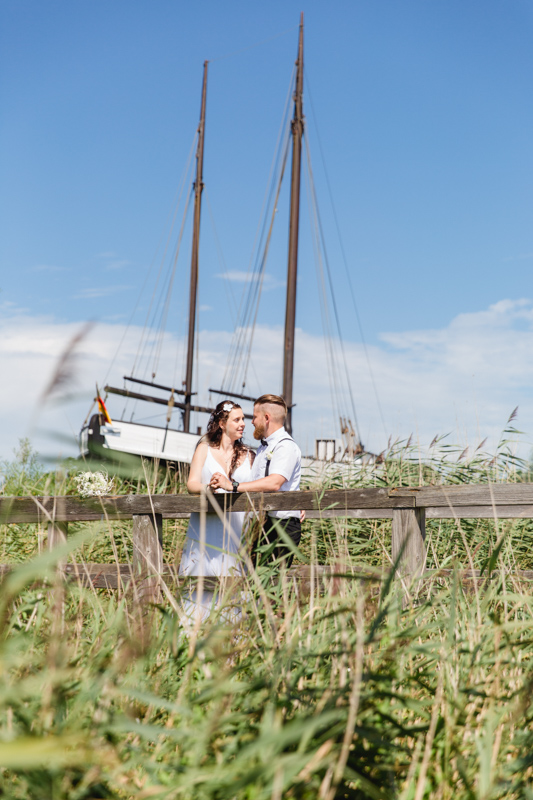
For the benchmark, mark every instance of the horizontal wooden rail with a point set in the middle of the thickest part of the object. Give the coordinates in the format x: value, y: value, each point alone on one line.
x: 441, y: 502
x: 407, y: 507
x: 114, y: 576
x: 505, y: 494
x: 111, y: 576
x: 70, y: 509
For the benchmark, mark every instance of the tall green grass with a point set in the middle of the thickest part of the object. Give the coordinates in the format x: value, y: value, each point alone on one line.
x: 468, y: 541
x: 342, y: 694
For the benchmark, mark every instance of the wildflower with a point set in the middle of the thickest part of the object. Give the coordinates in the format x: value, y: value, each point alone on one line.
x: 93, y: 484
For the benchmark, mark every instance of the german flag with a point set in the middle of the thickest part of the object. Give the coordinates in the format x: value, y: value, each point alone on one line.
x: 103, y: 410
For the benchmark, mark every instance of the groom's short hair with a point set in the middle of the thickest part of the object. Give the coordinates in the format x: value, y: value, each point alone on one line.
x: 274, y: 400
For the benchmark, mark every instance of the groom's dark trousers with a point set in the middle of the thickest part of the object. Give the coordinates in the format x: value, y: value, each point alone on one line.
x: 292, y: 527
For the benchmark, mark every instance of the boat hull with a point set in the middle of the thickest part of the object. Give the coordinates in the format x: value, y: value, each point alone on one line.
x: 149, y: 441
x: 136, y: 439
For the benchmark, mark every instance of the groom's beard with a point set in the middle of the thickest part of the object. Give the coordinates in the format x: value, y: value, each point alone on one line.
x: 259, y: 432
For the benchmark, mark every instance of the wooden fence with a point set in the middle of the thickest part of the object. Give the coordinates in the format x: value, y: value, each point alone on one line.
x: 408, y: 508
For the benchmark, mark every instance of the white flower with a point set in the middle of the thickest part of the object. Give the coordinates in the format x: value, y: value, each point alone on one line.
x: 227, y: 406
x: 93, y: 484
x: 269, y: 455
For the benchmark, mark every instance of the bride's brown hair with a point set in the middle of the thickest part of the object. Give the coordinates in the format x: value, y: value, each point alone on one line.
x: 213, y: 433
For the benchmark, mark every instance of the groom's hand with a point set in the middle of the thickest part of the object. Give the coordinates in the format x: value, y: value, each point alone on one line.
x: 220, y: 481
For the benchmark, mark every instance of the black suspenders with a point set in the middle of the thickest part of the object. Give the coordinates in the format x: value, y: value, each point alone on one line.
x: 285, y: 439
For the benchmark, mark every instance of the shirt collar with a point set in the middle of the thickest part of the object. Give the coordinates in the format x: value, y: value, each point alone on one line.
x: 274, y: 437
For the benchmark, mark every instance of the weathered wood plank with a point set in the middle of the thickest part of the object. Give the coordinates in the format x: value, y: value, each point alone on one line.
x: 147, y: 557
x: 468, y: 495
x: 480, y: 512
x: 57, y: 534
x: 432, y: 512
x: 470, y: 574
x: 408, y: 545
x: 113, y: 576
x: 369, y: 503
x: 37, y: 509
x: 352, y: 513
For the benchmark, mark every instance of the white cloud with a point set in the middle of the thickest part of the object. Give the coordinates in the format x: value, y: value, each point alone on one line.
x: 47, y: 268
x: 93, y: 293
x: 519, y: 257
x: 464, y: 379
x: 114, y: 261
x: 238, y: 277
x: 235, y: 276
x: 118, y: 263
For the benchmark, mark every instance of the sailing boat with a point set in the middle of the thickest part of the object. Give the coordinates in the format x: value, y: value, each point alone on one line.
x: 102, y: 434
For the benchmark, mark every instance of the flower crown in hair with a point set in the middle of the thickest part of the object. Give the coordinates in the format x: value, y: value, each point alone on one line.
x: 227, y: 407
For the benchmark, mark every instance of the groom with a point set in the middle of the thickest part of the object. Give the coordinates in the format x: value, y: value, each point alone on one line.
x: 276, y: 468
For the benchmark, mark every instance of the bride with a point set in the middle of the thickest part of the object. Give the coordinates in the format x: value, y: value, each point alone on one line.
x: 214, y: 551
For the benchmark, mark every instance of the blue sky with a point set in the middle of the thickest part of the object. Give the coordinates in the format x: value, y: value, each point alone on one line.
x: 423, y: 113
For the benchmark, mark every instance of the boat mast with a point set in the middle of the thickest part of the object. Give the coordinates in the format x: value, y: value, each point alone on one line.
x: 297, y: 127
x: 198, y: 188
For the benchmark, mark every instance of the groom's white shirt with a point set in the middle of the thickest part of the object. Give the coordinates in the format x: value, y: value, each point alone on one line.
x: 285, y: 459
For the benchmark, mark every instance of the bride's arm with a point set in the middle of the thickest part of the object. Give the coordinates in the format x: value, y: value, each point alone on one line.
x: 194, y: 484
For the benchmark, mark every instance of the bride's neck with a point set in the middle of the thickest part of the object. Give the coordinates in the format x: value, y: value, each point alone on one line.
x: 225, y: 443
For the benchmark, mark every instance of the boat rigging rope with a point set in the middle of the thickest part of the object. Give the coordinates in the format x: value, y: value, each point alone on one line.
x: 185, y: 179
x: 232, y: 303
x: 324, y: 313
x: 320, y: 232
x: 345, y: 260
x: 166, y: 283
x: 240, y: 352
x: 259, y: 283
x: 179, y: 192
x: 252, y: 290
x: 238, y: 361
x: 156, y: 349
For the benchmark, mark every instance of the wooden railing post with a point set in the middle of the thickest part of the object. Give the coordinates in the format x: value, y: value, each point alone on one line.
x: 57, y: 531
x: 408, y: 541
x: 147, y: 557
x: 57, y: 534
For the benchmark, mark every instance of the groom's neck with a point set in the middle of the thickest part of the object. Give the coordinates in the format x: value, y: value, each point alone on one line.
x: 272, y: 428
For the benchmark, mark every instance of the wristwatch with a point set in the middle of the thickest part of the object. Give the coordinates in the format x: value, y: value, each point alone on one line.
x: 235, y: 485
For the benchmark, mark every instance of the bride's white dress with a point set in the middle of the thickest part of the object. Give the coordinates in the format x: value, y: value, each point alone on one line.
x: 215, y: 551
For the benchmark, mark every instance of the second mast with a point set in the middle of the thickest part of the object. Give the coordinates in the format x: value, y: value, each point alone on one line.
x: 193, y: 292
x: 297, y: 126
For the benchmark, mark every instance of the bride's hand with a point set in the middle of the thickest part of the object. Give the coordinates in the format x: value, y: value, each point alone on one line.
x: 219, y: 481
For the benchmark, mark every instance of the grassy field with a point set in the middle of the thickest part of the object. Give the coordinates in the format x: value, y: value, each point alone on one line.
x: 344, y: 695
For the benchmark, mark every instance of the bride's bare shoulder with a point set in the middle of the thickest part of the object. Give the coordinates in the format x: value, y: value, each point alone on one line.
x: 201, y: 450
